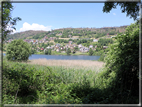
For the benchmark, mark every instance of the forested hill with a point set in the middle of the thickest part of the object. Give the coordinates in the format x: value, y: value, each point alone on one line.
x: 67, y: 32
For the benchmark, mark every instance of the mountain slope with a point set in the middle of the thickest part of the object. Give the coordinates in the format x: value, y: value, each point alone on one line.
x: 83, y: 32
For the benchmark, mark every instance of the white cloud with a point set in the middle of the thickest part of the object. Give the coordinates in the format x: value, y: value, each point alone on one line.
x: 34, y: 26
x: 114, y: 14
x: 14, y: 31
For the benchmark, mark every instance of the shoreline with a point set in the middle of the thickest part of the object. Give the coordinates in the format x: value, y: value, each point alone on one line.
x: 65, y: 55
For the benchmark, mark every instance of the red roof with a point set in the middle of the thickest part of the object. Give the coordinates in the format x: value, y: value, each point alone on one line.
x: 42, y: 48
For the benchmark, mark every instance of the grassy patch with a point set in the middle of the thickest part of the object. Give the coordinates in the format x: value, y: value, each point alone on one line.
x: 40, y: 53
x: 24, y: 83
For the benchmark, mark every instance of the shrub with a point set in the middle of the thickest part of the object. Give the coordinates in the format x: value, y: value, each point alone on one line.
x: 23, y: 80
x: 91, y: 52
x: 68, y: 51
x: 123, y: 61
x: 18, y: 50
x: 47, y: 52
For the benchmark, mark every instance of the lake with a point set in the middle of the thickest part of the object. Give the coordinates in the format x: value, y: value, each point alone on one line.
x: 63, y: 57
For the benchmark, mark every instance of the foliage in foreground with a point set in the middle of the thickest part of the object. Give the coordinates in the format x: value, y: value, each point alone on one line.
x: 35, y: 84
x: 122, y: 65
x: 8, y: 22
x: 18, y: 50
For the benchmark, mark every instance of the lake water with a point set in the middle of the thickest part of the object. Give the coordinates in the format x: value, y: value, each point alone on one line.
x: 63, y: 57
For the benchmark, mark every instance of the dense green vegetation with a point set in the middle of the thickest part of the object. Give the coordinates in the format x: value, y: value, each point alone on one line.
x: 122, y: 61
x: 47, y: 52
x: 68, y: 51
x: 84, y: 41
x: 105, y: 42
x: 18, y: 50
x: 61, y: 41
x: 90, y: 52
x: 32, y: 84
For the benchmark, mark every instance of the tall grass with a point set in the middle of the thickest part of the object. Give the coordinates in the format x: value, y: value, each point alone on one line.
x: 85, y: 64
x: 41, y: 84
x: 75, y: 75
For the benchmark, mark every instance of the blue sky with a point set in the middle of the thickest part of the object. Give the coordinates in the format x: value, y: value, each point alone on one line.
x: 48, y: 16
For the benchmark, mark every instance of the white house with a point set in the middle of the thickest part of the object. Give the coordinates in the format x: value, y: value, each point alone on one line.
x: 91, y: 46
x: 113, y: 36
x: 79, y: 46
x: 95, y: 40
x: 48, y: 47
x: 104, y: 47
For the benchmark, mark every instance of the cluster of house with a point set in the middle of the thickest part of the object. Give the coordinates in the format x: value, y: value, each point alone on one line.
x: 58, y: 47
x: 81, y: 48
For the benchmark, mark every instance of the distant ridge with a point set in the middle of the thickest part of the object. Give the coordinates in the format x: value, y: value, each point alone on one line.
x: 32, y: 34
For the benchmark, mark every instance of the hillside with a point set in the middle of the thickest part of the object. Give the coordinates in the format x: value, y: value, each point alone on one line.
x: 27, y: 34
x: 65, y: 32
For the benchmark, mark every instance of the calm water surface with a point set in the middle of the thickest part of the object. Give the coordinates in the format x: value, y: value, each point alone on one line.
x: 63, y: 57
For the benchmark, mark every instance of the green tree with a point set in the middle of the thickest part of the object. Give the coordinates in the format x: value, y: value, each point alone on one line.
x: 33, y: 51
x: 18, y: 50
x: 76, y: 48
x: 131, y: 8
x: 47, y: 52
x: 102, y: 57
x: 42, y: 45
x: 68, y: 51
x: 45, y: 45
x: 51, y: 43
x: 74, y: 51
x: 91, y: 52
x: 7, y: 20
x: 122, y: 61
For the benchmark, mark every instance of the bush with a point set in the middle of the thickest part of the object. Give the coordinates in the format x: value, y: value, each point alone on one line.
x: 68, y: 51
x: 102, y: 57
x: 24, y: 80
x: 91, y: 52
x: 18, y: 50
x: 123, y: 60
x: 47, y: 52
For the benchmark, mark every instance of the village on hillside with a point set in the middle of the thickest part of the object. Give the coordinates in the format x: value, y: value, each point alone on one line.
x: 78, y: 41
x: 58, y: 47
